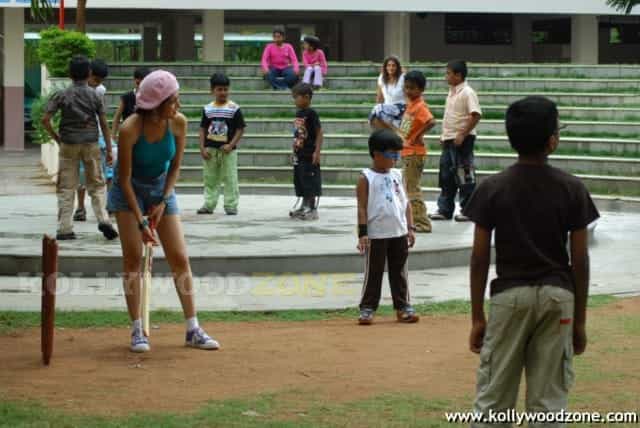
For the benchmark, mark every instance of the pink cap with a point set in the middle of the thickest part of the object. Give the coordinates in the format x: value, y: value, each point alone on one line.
x: 156, y: 88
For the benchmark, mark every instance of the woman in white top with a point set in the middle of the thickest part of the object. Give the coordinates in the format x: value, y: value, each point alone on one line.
x: 390, y: 96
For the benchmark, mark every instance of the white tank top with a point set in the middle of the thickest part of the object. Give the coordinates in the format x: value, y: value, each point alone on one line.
x: 387, y: 207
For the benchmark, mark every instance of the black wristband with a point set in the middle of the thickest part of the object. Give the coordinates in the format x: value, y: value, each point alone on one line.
x: 362, y: 230
x: 144, y: 223
x: 413, y: 228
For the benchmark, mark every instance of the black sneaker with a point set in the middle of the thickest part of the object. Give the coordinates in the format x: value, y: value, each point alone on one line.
x: 66, y: 236
x: 205, y: 210
x: 80, y: 215
x: 231, y: 211
x: 438, y: 216
x: 108, y: 231
x: 461, y: 218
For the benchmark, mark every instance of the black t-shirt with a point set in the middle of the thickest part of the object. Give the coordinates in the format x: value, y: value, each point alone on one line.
x: 129, y: 103
x: 305, y: 130
x: 532, y: 209
x: 221, y: 123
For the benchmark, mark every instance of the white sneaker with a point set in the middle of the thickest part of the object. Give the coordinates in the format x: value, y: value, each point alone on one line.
x: 139, y: 342
x: 197, y: 338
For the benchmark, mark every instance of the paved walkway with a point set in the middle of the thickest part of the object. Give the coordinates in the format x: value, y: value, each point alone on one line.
x: 262, y: 228
x: 615, y: 270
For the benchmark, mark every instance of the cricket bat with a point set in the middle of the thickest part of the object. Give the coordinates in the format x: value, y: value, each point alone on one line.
x: 146, y: 284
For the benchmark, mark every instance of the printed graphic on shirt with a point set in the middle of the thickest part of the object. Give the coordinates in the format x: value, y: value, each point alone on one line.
x: 388, y: 187
x: 406, y: 124
x: 218, y: 131
x: 300, y: 133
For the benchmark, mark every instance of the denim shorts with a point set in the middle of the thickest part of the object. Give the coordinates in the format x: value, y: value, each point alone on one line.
x: 148, y: 193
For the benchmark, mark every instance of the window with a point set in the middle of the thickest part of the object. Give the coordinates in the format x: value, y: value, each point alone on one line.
x: 552, y: 31
x: 623, y: 33
x: 479, y: 29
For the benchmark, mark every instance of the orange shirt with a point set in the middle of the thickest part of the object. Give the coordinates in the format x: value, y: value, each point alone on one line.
x: 416, y: 116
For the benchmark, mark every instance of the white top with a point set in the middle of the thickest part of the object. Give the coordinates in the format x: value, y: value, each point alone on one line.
x: 101, y: 90
x: 393, y: 93
x: 387, y: 207
x: 461, y: 102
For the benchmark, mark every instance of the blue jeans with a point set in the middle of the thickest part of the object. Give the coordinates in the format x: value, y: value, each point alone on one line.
x: 457, y: 173
x: 282, y: 79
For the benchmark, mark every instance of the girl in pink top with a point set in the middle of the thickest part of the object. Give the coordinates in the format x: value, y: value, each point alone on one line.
x: 314, y: 61
x: 280, y: 63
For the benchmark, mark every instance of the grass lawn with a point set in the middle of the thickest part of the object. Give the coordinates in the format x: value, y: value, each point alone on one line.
x: 602, y: 384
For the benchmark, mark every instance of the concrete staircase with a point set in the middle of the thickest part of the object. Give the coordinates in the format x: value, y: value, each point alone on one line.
x: 600, y: 105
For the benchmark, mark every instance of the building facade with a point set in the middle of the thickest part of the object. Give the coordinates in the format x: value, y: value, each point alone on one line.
x: 578, y: 31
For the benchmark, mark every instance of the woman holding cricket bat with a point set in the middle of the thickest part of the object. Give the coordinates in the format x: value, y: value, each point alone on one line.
x: 150, y: 150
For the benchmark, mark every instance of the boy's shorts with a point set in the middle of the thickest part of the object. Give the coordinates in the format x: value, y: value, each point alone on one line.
x: 307, y: 179
x: 148, y: 191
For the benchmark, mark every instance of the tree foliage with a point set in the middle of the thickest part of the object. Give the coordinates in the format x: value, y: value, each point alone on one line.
x: 57, y: 47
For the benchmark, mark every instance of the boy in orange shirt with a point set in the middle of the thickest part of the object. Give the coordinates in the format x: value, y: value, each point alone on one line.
x: 416, y: 121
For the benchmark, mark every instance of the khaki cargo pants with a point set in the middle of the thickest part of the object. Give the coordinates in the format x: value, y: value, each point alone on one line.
x: 68, y: 179
x: 529, y: 328
x: 412, y: 167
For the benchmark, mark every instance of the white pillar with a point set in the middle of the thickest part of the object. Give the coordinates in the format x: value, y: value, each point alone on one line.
x: 397, y: 35
x: 584, y: 39
x: 213, y: 35
x: 13, y: 79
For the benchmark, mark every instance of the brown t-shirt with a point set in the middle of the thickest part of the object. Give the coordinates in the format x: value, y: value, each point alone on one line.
x: 79, y: 105
x: 532, y: 209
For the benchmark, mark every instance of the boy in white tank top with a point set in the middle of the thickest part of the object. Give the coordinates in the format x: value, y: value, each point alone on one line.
x: 385, y: 228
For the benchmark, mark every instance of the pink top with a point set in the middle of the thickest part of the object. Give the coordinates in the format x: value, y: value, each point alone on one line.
x: 311, y: 58
x: 279, y: 57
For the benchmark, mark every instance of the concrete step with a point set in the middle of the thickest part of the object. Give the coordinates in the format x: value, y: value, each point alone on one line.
x: 599, y: 99
x: 629, y: 186
x: 603, y: 202
x: 370, y: 68
x: 369, y: 82
x: 578, y: 145
x: 492, y: 126
x: 363, y: 110
x: 361, y: 159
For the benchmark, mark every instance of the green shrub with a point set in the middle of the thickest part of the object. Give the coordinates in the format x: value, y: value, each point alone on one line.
x: 57, y: 47
x: 40, y: 135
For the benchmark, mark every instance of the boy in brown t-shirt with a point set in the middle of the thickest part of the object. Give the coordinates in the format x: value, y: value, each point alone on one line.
x: 538, y: 300
x: 416, y: 121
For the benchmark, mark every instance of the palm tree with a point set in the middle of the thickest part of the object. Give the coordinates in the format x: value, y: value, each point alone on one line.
x: 623, y: 5
x: 42, y: 10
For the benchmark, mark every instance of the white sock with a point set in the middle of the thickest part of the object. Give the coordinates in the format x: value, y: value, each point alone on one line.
x: 137, y: 324
x: 192, y: 323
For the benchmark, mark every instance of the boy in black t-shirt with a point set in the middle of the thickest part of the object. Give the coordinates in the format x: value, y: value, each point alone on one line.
x: 307, y: 142
x: 128, y: 101
x: 538, y: 301
x: 221, y: 128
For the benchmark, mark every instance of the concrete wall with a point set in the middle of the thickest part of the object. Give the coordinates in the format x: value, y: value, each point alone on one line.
x: 362, y: 38
x: 619, y: 54
x: 428, y: 43
x: 13, y: 78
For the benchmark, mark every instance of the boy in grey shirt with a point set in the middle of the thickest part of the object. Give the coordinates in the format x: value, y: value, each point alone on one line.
x: 78, y: 139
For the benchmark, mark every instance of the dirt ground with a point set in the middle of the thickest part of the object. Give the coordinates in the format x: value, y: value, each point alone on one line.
x: 92, y: 370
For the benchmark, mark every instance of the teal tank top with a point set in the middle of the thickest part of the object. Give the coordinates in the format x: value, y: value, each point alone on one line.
x: 151, y: 160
